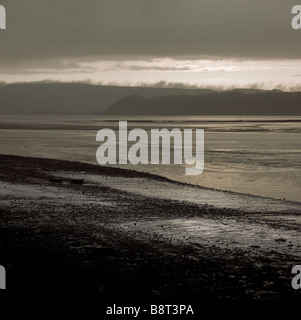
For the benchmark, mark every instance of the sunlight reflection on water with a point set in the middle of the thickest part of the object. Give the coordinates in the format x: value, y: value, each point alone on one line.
x: 248, y: 161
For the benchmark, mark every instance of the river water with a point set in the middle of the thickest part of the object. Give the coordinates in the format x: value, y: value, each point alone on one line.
x: 253, y: 155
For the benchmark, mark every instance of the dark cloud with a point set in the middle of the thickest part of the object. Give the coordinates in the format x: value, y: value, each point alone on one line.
x: 44, y: 30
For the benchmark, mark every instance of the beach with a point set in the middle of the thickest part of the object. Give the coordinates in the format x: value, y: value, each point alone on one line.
x: 72, y: 230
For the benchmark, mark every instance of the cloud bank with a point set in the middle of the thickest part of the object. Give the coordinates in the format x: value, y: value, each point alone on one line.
x: 65, y: 29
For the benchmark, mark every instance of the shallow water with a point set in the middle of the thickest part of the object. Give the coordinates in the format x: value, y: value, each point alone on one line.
x: 258, y: 156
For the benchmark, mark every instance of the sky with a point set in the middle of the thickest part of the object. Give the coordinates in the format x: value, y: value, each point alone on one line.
x: 164, y: 43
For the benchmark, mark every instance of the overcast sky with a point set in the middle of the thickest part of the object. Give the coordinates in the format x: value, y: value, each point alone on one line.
x: 197, y: 42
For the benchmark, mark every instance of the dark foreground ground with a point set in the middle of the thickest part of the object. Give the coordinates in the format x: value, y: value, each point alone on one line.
x: 65, y: 239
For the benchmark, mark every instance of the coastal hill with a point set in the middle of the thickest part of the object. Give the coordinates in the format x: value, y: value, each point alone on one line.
x: 73, y: 98
x: 233, y: 102
x: 85, y: 99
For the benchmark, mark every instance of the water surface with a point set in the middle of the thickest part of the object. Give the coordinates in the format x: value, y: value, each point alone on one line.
x: 254, y: 155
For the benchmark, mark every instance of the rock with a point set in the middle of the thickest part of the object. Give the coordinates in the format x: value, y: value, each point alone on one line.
x: 77, y: 181
x: 56, y: 180
x: 280, y: 240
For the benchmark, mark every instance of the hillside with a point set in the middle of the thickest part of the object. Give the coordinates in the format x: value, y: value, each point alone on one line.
x: 218, y: 103
x: 72, y: 98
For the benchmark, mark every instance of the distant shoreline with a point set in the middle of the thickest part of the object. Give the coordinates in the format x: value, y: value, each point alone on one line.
x: 132, y: 121
x: 144, y: 120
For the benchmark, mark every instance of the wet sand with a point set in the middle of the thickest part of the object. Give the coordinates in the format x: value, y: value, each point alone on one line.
x: 78, y: 231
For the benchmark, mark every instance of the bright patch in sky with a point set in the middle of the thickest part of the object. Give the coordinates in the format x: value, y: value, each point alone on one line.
x: 217, y: 73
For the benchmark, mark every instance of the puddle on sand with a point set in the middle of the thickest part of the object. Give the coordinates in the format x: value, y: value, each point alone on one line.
x: 172, y: 191
x: 221, y: 233
x: 47, y: 194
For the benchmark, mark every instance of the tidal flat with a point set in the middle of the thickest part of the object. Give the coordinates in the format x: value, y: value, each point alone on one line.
x: 71, y: 230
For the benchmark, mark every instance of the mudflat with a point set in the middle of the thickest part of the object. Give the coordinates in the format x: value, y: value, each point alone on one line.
x: 71, y: 230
